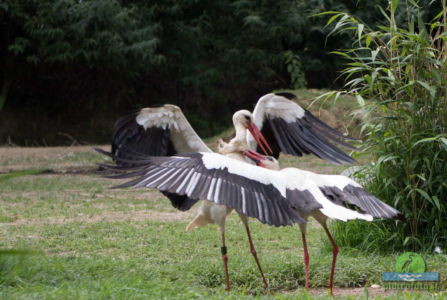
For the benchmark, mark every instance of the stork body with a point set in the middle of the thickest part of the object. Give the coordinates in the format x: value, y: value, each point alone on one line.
x: 210, y: 212
x: 179, y: 136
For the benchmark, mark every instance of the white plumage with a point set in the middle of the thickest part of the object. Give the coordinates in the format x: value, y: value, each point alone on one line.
x: 276, y: 106
x: 170, y: 117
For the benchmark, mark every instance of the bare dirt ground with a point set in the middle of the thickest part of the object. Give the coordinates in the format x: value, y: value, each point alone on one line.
x: 52, y: 158
x: 44, y: 152
x: 107, y: 217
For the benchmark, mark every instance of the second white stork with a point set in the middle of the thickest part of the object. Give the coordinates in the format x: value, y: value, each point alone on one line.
x: 276, y: 198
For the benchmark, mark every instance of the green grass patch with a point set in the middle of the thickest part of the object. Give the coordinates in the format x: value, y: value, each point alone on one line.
x: 13, y: 174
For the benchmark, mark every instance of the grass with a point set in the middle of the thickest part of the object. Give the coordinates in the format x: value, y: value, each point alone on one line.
x: 9, y: 175
x: 82, y: 250
x: 66, y: 235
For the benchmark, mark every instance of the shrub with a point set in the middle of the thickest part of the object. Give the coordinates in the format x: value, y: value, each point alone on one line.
x: 402, y: 72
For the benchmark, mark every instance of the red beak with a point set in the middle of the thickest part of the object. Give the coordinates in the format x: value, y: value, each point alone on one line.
x: 259, y: 138
x: 255, y: 156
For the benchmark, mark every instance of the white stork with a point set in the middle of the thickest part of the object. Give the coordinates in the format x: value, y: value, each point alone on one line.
x: 181, y: 136
x: 274, y: 197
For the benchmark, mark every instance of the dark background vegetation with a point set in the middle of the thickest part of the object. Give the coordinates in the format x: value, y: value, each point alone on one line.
x: 70, y: 68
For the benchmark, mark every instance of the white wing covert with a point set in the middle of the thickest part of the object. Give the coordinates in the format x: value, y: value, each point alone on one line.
x: 344, y: 191
x: 155, y: 131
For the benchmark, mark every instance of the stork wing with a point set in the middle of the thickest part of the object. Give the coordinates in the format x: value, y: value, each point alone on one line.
x: 155, y: 131
x: 302, y: 183
x: 342, y: 190
x: 250, y: 190
x: 345, y: 192
x: 291, y: 129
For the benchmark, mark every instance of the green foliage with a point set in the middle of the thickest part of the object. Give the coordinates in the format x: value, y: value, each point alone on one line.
x: 401, y: 70
x: 69, y: 61
x: 99, y: 33
x: 295, y: 70
x: 12, y: 174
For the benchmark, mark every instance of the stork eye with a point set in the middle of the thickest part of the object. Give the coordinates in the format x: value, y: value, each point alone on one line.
x: 247, y: 118
x: 270, y: 158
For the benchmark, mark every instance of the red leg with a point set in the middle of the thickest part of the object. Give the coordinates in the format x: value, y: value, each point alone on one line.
x: 253, y: 252
x: 223, y: 249
x: 334, y: 259
x: 306, y: 258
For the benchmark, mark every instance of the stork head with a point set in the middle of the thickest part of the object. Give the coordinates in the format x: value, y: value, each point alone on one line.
x: 268, y: 162
x: 243, y: 119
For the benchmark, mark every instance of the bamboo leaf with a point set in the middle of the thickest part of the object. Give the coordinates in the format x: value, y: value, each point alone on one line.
x: 368, y: 40
x: 426, y: 140
x: 332, y: 19
x: 330, y: 12
x: 360, y: 100
x: 430, y: 89
x: 341, y: 53
x: 360, y: 28
x: 394, y: 4
x: 424, y: 194
x: 406, y: 240
x: 438, y: 16
x: 385, y: 15
x: 436, y: 202
x: 374, y: 54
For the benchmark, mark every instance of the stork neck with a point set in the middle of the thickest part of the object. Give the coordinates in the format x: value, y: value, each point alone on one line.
x: 241, y: 133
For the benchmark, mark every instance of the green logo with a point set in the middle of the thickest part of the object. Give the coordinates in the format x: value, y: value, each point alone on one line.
x: 410, y: 262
